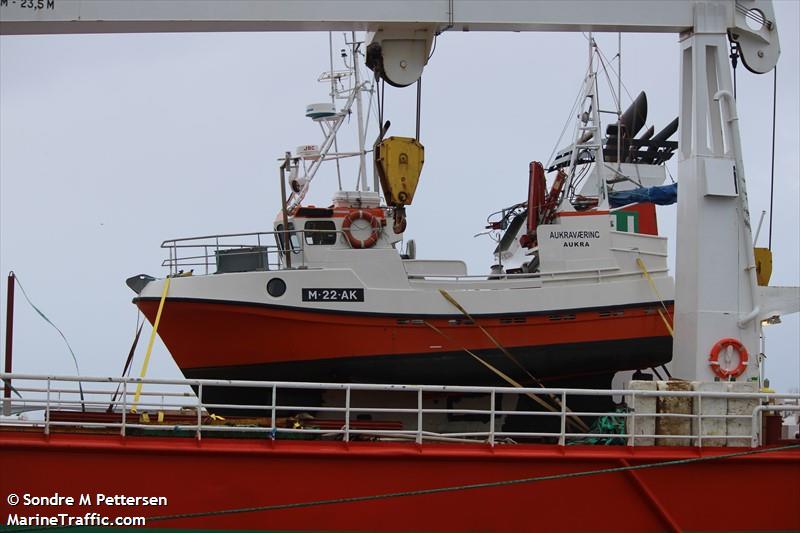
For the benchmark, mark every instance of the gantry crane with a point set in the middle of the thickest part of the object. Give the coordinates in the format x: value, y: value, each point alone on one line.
x: 717, y: 295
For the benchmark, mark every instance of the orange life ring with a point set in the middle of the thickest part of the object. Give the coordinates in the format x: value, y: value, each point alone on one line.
x: 370, y: 241
x: 714, y: 363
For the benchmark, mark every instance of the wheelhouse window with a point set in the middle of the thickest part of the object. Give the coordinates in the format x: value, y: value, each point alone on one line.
x: 280, y: 237
x: 320, y: 232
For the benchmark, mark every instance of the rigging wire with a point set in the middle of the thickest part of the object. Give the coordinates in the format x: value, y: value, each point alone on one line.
x: 139, y: 325
x: 419, y: 103
x: 616, y: 97
x: 126, y: 370
x: 433, y: 48
x: 755, y: 15
x: 772, y: 172
x: 619, y: 92
x: 372, y: 109
x: 368, y: 114
x: 569, y: 121
x: 669, y: 174
x: 614, y: 71
x: 381, y: 101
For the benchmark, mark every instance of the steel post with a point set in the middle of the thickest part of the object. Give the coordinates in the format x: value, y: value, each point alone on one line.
x: 285, y: 244
x: 9, y: 342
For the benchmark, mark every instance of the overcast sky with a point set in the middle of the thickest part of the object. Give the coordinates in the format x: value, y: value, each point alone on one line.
x: 110, y: 144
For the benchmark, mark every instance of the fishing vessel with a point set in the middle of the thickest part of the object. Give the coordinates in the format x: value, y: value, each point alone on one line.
x: 579, y: 290
x: 488, y: 437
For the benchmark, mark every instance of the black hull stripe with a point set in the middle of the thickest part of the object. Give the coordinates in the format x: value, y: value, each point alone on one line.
x: 590, y: 365
x: 458, y: 368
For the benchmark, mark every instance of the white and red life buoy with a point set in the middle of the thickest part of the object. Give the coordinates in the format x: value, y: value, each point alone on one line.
x: 713, y: 359
x: 374, y: 223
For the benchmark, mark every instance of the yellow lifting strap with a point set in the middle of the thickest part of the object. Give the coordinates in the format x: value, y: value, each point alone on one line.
x: 497, y: 371
x: 663, y: 314
x: 573, y: 418
x: 146, y: 363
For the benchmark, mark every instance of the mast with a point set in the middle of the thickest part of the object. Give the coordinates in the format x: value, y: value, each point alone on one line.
x: 619, y: 101
x: 333, y: 101
x: 587, y: 136
x: 599, y: 157
x: 362, y: 168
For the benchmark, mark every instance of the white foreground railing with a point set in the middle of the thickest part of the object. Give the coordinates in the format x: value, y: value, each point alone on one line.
x: 411, y: 412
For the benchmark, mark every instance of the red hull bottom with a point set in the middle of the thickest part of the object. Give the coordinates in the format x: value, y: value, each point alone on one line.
x: 222, y: 340
x: 758, y: 492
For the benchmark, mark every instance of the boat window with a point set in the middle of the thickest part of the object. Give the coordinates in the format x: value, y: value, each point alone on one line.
x: 320, y: 232
x: 294, y: 241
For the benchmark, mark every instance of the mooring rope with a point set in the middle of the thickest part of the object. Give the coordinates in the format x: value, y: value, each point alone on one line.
x: 72, y: 353
x: 449, y: 489
x: 472, y: 486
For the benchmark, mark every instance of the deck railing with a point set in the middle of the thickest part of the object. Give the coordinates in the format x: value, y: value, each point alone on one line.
x: 203, y: 253
x: 357, y: 411
x: 584, y: 274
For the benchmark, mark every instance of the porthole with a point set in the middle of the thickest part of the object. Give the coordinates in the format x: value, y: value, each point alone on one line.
x: 276, y: 287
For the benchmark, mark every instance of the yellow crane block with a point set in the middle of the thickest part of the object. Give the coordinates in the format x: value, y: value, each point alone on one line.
x: 763, y: 258
x: 399, y: 161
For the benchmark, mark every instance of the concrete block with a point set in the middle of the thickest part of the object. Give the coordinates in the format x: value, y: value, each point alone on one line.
x: 666, y: 425
x: 708, y: 426
x: 644, y: 425
x: 741, y: 427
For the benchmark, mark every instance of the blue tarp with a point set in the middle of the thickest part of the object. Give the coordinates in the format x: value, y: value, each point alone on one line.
x: 663, y: 195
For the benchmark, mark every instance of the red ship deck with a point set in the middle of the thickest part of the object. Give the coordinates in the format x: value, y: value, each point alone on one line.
x: 216, y: 480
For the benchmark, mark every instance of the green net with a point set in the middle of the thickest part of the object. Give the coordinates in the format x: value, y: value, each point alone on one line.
x: 608, y: 425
